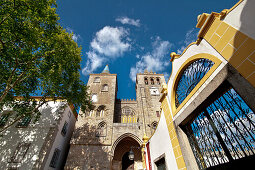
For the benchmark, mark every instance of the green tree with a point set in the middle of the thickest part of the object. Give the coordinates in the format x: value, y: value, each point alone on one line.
x: 37, y: 56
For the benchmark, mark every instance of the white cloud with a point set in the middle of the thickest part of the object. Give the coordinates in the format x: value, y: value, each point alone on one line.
x: 75, y: 37
x: 155, y: 61
x: 191, y: 36
x: 108, y: 43
x: 129, y: 21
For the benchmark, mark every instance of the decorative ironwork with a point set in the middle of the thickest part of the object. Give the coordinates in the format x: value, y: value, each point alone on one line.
x: 223, y: 131
x: 190, y: 77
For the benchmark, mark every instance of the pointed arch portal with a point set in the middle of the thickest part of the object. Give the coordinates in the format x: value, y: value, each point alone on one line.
x: 121, y: 149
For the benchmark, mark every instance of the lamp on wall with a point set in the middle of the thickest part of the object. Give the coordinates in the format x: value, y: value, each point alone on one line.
x: 131, y: 154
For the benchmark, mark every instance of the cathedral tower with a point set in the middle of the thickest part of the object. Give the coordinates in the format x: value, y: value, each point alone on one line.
x: 104, y: 136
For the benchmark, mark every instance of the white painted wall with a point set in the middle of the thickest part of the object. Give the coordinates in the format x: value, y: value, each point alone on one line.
x: 35, y: 134
x: 203, y: 47
x: 160, y: 144
x: 242, y: 18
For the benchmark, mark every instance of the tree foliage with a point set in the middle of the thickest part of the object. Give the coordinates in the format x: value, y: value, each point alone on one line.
x: 37, y: 56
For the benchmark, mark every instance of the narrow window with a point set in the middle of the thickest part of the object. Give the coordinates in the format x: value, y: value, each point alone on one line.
x: 54, y: 159
x: 152, y: 81
x: 157, y: 113
x: 24, y: 122
x: 101, y: 130
x: 3, y: 120
x: 97, y: 80
x: 64, y: 129
x: 19, y: 152
x: 158, y: 80
x: 146, y: 80
x: 105, y: 88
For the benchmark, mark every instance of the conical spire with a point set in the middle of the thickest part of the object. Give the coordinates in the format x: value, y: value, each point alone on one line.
x: 106, y: 69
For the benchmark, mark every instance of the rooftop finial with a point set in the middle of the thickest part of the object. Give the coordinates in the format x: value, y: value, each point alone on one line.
x: 106, y: 69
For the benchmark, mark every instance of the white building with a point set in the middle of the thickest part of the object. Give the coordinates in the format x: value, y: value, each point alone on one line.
x: 207, y: 117
x: 40, y: 145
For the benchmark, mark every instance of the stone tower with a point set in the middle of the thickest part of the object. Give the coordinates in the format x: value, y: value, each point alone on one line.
x: 104, y: 136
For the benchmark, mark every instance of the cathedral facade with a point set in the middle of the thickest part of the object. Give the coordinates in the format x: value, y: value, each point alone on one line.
x: 103, y: 137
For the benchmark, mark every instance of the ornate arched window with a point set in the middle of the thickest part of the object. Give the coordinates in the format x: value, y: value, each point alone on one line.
x: 190, y: 77
x: 100, y: 111
x: 105, y: 88
x: 101, y: 129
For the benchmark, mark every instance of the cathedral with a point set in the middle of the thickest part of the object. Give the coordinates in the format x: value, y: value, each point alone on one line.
x: 104, y: 137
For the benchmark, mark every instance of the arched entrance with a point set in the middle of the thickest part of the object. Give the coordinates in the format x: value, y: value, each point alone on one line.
x: 121, y: 160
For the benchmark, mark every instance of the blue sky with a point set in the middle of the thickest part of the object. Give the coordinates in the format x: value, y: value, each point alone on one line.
x: 133, y: 35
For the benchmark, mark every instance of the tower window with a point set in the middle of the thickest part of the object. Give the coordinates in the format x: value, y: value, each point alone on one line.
x: 105, y: 88
x: 100, y: 111
x: 101, y: 129
x: 158, y: 80
x: 146, y: 80
x: 154, y: 125
x: 97, y: 80
x: 157, y: 113
x: 152, y: 81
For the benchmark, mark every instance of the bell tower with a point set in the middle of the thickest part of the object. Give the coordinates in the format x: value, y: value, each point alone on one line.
x: 92, y: 136
x: 147, y: 95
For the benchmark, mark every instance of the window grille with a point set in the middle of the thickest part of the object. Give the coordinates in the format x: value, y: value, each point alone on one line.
x: 4, y: 119
x: 19, y: 153
x: 190, y: 77
x: 55, y: 157
x: 24, y: 122
x: 64, y: 129
x: 223, y: 131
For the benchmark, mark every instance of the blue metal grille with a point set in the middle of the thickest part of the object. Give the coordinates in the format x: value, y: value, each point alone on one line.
x: 190, y: 77
x: 223, y: 132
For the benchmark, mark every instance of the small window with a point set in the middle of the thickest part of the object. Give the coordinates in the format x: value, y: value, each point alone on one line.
x: 100, y: 111
x: 54, y: 159
x: 154, y: 125
x: 146, y: 80
x: 64, y: 129
x: 157, y: 113
x: 105, y: 88
x: 24, y: 122
x: 161, y: 164
x: 3, y: 120
x: 152, y: 81
x: 19, y: 153
x: 158, y: 80
x: 97, y: 80
x: 101, y: 130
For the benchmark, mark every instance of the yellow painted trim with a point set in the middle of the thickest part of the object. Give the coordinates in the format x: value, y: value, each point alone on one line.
x: 216, y: 61
x: 233, y: 7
